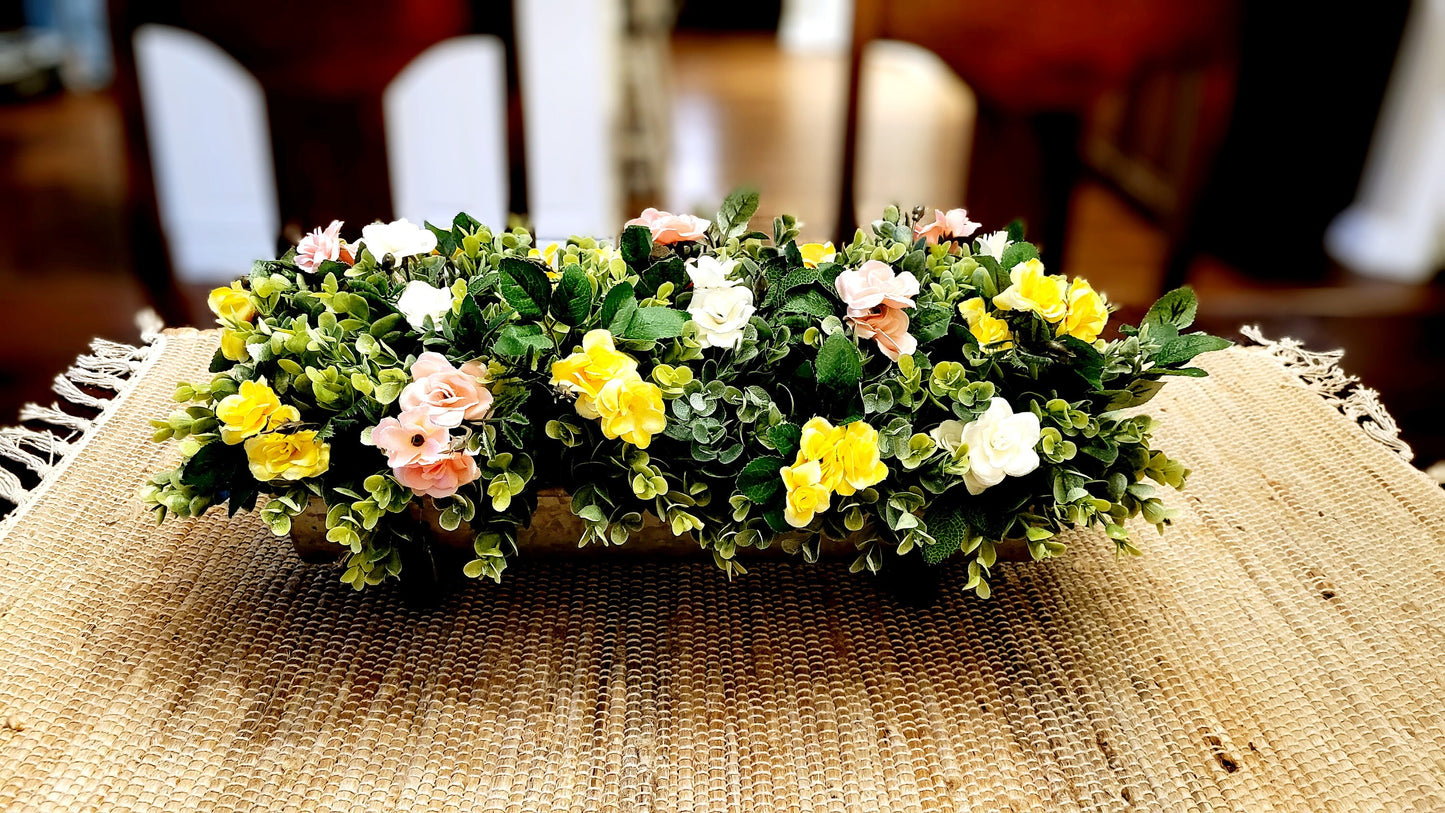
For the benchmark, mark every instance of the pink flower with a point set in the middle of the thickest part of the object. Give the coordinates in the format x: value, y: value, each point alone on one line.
x: 669, y: 228
x: 450, y: 395
x: 875, y: 284
x: 440, y: 477
x: 951, y: 225
x: 319, y: 246
x: 411, y: 437
x: 889, y: 328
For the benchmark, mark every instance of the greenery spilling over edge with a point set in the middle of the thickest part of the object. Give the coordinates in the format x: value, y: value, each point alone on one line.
x: 916, y: 391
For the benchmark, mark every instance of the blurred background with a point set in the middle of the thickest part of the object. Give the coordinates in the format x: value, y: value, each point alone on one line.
x: 1289, y: 163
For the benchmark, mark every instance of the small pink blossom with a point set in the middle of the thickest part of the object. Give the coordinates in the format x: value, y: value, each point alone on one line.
x: 875, y: 284
x: 411, y: 437
x: 889, y: 328
x: 439, y: 477
x: 450, y: 395
x: 951, y: 225
x: 319, y: 246
x: 668, y: 228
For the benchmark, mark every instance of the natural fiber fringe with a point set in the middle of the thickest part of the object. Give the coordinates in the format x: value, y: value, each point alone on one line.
x: 1319, y: 372
x: 109, y: 366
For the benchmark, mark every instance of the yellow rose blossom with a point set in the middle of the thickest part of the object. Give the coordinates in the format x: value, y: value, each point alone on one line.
x: 815, y: 254
x: 1087, y: 312
x: 250, y: 411
x: 991, y: 331
x: 631, y: 409
x: 1033, y: 290
x: 819, y: 444
x: 233, y: 345
x: 807, y: 495
x: 233, y: 303
x: 857, y: 454
x: 587, y: 371
x: 293, y: 456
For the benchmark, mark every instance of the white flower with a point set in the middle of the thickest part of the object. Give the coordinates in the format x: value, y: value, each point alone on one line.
x: 721, y: 314
x: 1000, y: 444
x: 398, y: 238
x: 994, y: 244
x: 421, y: 300
x: 949, y: 436
x: 707, y: 272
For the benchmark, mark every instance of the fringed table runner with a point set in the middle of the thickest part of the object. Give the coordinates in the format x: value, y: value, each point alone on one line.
x: 1282, y: 649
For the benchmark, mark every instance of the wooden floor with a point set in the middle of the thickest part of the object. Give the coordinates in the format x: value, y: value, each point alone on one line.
x: 743, y: 111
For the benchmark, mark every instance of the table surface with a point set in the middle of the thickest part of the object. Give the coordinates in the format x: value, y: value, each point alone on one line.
x: 1280, y: 649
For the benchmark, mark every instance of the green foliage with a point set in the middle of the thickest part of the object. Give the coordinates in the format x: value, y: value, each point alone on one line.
x: 335, y: 346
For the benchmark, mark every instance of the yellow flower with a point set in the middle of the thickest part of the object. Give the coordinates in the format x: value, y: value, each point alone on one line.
x: 586, y: 371
x: 819, y: 444
x: 631, y: 409
x: 232, y: 303
x: 292, y: 456
x: 1033, y: 290
x: 807, y: 495
x: 815, y: 254
x: 252, y: 410
x: 1087, y: 312
x: 548, y: 253
x: 991, y: 331
x: 857, y: 453
x: 233, y: 345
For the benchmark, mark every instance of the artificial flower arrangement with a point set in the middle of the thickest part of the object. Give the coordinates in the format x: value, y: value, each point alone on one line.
x: 918, y: 392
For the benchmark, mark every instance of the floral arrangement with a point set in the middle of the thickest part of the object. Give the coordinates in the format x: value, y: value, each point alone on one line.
x: 919, y: 391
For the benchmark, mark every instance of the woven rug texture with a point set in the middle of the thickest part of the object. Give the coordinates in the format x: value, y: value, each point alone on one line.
x: 1281, y: 649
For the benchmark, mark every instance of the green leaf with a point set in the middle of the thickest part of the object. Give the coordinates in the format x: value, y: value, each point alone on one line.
x: 623, y: 318
x: 785, y: 437
x: 733, y: 216
x: 839, y: 366
x: 525, y: 286
x: 1175, y: 308
x: 1088, y: 362
x: 671, y: 270
x: 760, y: 481
x: 612, y: 303
x: 946, y: 526
x: 636, y: 246
x: 1016, y: 230
x: 516, y: 340
x: 446, y: 242
x: 1017, y: 253
x: 1181, y: 349
x: 654, y: 323
x: 930, y: 322
x: 214, y: 467
x: 812, y: 302
x: 572, y: 301
x: 470, y: 322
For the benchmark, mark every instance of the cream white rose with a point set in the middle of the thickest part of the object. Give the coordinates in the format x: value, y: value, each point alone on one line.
x: 721, y: 314
x: 1000, y: 444
x: 400, y: 239
x: 708, y: 272
x: 994, y: 244
x: 949, y: 436
x: 420, y: 300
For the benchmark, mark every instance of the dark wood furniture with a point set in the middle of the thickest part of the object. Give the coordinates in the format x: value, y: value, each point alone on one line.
x: 1037, y: 68
x: 322, y: 67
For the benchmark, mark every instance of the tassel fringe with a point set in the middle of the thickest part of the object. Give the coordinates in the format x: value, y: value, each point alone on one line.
x: 1319, y: 372
x: 93, y: 383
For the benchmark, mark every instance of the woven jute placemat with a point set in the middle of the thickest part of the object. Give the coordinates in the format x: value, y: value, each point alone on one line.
x: 1281, y: 649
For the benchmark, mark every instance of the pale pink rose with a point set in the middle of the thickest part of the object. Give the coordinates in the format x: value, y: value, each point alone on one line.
x: 889, y: 328
x: 451, y: 395
x: 875, y: 284
x: 951, y: 225
x: 667, y: 227
x: 318, y: 247
x: 411, y: 437
x: 440, y: 477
